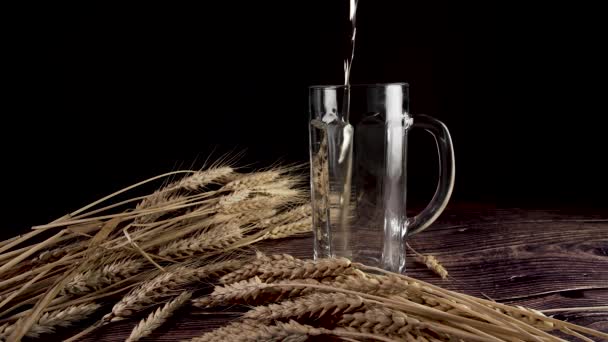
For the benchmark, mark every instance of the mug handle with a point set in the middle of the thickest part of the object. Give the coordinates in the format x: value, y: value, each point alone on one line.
x: 447, y: 171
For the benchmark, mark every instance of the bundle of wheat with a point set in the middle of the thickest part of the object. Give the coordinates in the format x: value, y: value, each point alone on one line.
x: 291, y: 299
x: 145, y: 257
x: 137, y: 254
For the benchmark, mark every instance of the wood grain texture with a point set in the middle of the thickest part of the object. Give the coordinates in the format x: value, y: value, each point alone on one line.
x: 543, y: 259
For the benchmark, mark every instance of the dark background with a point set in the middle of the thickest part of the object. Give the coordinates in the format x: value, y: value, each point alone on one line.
x: 109, y: 95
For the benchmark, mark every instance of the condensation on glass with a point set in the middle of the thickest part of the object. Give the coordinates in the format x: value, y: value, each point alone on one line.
x: 359, y: 173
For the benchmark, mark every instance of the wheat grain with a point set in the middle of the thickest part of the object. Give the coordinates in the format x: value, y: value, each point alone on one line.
x: 158, y: 317
x: 314, y: 305
x: 49, y: 321
x: 96, y: 279
x: 215, y: 239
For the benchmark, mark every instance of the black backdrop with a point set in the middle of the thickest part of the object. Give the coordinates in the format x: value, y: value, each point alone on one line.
x: 109, y: 95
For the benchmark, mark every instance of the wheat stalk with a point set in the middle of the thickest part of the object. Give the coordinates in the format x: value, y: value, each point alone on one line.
x: 49, y: 321
x: 158, y: 317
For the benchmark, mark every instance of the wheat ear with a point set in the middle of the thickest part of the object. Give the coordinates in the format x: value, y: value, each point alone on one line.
x: 290, y: 229
x: 158, y: 317
x: 55, y: 254
x: 529, y: 316
x: 360, y: 281
x: 314, y: 305
x: 291, y: 331
x: 253, y: 180
x: 216, y: 238
x: 157, y: 199
x: 254, y: 217
x: 382, y: 321
x: 200, y: 179
x: 295, y: 214
x: 430, y: 262
x: 93, y: 280
x: 171, y: 192
x: 164, y: 286
x: 306, y: 270
x: 49, y: 321
x: 233, y: 198
x: 251, y: 204
x: 252, y: 291
x: 251, y: 268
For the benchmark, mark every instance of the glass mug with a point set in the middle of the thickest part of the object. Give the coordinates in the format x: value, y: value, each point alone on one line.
x: 358, y: 172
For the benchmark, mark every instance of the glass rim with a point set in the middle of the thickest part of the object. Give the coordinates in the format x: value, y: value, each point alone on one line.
x: 359, y: 85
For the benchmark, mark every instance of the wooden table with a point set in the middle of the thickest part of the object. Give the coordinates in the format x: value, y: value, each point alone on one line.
x: 543, y: 259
